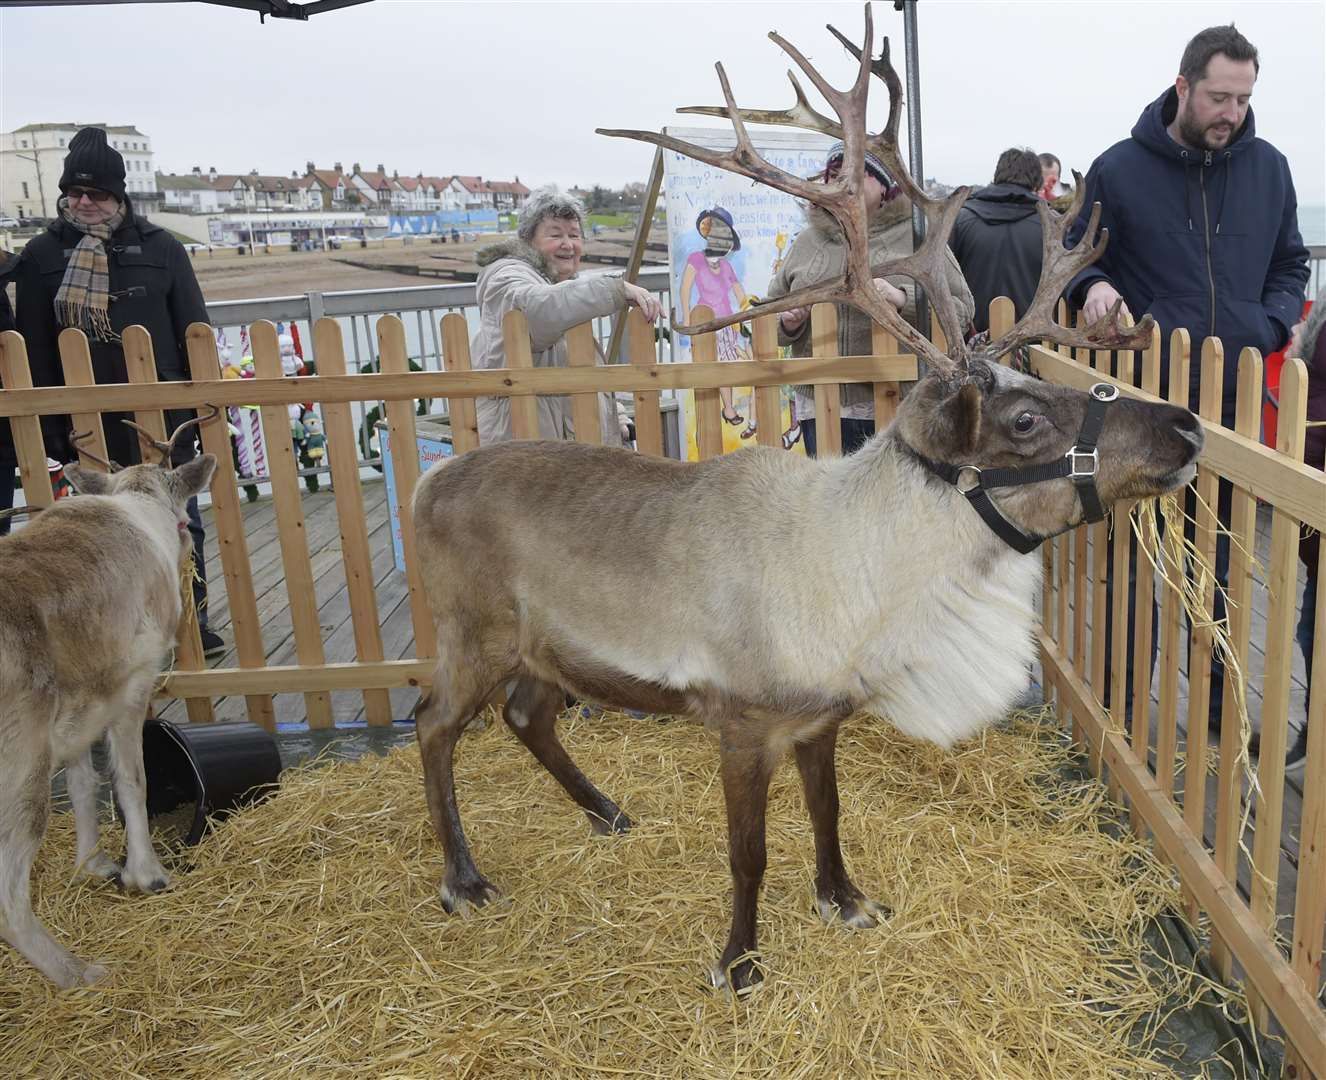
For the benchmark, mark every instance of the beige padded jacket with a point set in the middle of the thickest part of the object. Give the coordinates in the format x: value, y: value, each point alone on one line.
x: 514, y: 277
x: 817, y: 255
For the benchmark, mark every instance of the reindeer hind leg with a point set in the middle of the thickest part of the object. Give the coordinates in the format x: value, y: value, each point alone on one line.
x: 457, y: 695
x: 25, y: 797
x: 531, y: 712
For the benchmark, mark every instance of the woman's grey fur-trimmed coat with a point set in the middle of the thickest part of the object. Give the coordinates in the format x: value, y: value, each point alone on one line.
x: 819, y: 254
x: 515, y: 277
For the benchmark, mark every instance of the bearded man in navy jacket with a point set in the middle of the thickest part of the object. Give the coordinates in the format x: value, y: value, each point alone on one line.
x: 1203, y: 225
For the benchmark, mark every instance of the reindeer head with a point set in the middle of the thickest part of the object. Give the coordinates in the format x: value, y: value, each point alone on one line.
x: 969, y: 413
x: 1047, y: 457
x: 172, y: 488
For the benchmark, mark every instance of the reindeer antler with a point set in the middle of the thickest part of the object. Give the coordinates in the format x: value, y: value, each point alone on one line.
x: 842, y: 198
x: 165, y: 448
x: 76, y: 437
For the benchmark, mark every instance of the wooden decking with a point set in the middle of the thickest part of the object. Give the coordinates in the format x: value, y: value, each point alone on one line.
x: 324, y: 544
x: 398, y: 637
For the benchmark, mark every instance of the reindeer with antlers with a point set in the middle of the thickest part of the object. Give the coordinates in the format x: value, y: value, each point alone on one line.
x: 89, y: 606
x: 902, y: 586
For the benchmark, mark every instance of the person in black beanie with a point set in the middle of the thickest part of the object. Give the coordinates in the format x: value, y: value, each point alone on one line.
x: 99, y: 268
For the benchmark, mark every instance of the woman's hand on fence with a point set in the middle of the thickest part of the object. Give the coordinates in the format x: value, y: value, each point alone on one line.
x: 643, y: 299
x: 891, y: 292
x: 793, y: 319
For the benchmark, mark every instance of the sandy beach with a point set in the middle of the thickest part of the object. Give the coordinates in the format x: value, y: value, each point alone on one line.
x: 244, y: 277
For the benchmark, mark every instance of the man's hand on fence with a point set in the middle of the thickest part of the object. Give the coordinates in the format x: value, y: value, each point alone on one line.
x: 1099, y: 298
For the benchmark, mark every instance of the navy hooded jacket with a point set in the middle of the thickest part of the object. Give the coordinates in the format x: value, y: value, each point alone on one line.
x: 1206, y: 240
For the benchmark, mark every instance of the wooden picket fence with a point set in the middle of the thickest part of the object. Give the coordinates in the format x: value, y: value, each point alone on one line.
x: 1282, y: 991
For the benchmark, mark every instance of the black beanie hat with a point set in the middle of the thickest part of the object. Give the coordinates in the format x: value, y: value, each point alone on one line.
x: 92, y: 163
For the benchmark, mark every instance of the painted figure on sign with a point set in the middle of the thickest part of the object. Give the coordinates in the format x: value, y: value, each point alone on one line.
x: 709, y: 275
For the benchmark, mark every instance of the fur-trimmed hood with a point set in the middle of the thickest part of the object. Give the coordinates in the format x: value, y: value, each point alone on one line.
x: 1312, y: 330
x: 514, y: 249
x: 890, y: 213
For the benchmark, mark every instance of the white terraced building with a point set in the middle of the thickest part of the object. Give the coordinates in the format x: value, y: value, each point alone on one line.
x: 32, y: 159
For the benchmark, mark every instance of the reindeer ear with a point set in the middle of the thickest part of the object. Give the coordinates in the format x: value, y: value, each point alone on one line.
x: 87, y: 481
x: 191, y: 477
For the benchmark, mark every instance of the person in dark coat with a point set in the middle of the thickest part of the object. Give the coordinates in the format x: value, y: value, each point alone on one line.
x: 8, y: 459
x: 1202, y: 215
x: 997, y: 237
x: 1203, y: 224
x: 100, y: 267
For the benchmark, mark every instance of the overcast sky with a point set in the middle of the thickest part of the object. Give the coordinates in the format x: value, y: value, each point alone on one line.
x: 517, y: 89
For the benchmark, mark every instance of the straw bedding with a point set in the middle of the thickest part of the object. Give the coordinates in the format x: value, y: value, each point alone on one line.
x: 306, y: 938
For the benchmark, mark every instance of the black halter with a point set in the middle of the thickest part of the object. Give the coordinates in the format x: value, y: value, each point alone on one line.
x: 1080, y: 464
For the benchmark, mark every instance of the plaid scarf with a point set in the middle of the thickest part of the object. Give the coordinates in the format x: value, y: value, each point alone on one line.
x: 83, y: 300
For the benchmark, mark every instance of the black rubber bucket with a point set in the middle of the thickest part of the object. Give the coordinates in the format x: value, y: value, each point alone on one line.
x: 196, y: 771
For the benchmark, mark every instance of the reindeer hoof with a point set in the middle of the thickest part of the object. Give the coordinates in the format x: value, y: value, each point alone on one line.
x: 152, y: 880
x: 739, y: 978
x: 101, y: 865
x: 72, y: 972
x: 619, y: 823
x: 857, y: 912
x: 460, y: 897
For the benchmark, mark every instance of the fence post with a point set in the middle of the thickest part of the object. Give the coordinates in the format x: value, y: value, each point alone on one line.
x: 1144, y: 605
x: 828, y: 396
x: 1199, y: 648
x: 28, y: 444
x: 888, y: 395
x: 301, y: 591
x: 405, y: 466
x: 708, y: 415
x: 524, y: 407
x: 581, y: 352
x: 140, y: 364
x: 1282, y: 580
x: 456, y: 357
x: 1310, y: 901
x: 648, y: 420
x: 1171, y: 615
x: 200, y: 341
x: 76, y: 362
x: 1243, y: 526
x: 355, y: 552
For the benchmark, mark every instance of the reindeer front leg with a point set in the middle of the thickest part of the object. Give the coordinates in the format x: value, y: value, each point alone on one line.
x: 143, y: 871
x: 836, y: 896
x: 746, y: 769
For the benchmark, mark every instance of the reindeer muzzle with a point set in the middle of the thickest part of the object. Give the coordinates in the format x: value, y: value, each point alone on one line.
x: 1080, y: 464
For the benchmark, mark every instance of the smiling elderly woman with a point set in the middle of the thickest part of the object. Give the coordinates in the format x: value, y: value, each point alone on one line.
x: 536, y: 274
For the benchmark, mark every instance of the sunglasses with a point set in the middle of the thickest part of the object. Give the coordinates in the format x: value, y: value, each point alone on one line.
x: 75, y: 194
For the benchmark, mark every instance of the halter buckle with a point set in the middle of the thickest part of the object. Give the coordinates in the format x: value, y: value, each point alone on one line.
x: 976, y: 478
x: 1076, y: 455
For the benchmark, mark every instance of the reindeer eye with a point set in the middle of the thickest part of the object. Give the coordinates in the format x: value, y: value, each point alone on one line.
x: 1025, y: 423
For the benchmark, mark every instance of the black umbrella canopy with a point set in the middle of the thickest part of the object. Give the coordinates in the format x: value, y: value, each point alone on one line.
x: 277, y: 9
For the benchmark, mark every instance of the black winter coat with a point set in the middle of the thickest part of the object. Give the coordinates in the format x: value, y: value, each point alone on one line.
x: 1204, y: 240
x: 152, y: 284
x: 7, y: 459
x: 997, y: 242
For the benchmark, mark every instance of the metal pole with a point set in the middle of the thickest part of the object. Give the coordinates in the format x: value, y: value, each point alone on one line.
x: 913, y: 53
